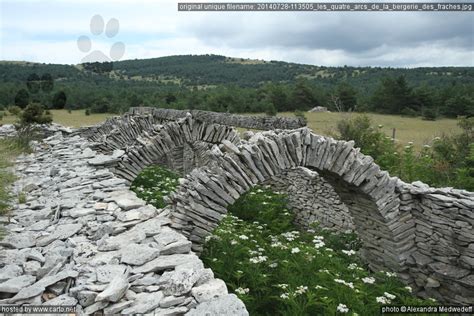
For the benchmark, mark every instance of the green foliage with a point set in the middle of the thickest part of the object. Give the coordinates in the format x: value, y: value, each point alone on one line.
x: 263, y: 205
x: 154, y: 183
x: 100, y: 106
x: 446, y: 162
x: 87, y: 112
x: 392, y: 95
x: 465, y: 174
x: 303, y: 96
x: 217, y: 83
x: 59, y: 100
x: 372, y: 141
x: 22, y: 98
x: 34, y: 114
x: 21, y: 198
x: 429, y: 114
x: 300, y: 114
x: 14, y: 110
x: 278, y: 270
x: 347, y: 96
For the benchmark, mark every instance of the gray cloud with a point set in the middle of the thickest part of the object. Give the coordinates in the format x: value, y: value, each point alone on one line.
x: 352, y: 32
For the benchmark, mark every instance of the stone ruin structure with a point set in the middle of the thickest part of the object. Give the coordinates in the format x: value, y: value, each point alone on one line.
x: 84, y: 238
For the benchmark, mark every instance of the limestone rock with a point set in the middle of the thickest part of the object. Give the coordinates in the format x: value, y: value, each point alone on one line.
x: 227, y: 304
x: 144, y: 303
x: 138, y: 255
x: 115, y: 290
x: 209, y: 290
x: 16, y: 284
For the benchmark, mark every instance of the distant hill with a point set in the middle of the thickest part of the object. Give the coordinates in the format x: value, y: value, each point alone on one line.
x: 210, y: 70
x: 170, y: 80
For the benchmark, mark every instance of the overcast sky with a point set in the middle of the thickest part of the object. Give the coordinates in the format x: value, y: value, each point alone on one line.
x: 48, y: 31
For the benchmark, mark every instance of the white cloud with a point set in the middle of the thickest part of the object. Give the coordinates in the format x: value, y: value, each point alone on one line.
x: 47, y: 31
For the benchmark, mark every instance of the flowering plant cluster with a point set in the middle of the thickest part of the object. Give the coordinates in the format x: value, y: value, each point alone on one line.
x: 154, y: 183
x: 277, y: 269
x: 285, y: 271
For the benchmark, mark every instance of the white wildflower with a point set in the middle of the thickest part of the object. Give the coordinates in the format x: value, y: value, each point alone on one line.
x: 390, y: 296
x: 382, y: 300
x: 368, y: 280
x: 295, y: 250
x: 285, y: 296
x: 242, y: 291
x: 342, y: 308
x: 258, y: 259
x: 301, y: 289
x: 349, y: 252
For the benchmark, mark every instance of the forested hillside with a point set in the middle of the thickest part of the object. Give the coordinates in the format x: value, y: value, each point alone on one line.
x: 222, y: 83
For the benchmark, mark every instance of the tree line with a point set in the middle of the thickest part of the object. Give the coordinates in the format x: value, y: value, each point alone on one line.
x: 218, y: 83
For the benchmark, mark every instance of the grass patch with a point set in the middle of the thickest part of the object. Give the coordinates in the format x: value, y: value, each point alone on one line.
x: 76, y: 118
x: 408, y: 129
x: 278, y: 270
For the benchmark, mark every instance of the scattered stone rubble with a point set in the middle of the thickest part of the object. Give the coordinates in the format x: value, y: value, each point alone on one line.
x: 83, y: 238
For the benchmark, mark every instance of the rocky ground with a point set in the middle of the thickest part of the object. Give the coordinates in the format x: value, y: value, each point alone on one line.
x: 83, y: 238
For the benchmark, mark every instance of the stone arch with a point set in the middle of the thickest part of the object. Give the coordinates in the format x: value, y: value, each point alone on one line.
x: 370, y: 194
x: 180, y: 145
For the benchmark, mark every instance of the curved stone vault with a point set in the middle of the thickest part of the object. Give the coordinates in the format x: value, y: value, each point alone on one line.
x: 423, y: 233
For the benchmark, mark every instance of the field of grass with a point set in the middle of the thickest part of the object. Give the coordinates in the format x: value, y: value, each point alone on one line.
x: 408, y: 129
x: 76, y: 118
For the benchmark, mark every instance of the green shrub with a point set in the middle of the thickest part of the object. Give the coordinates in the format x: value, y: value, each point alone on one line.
x: 372, y: 141
x: 88, y: 112
x: 429, y: 114
x: 301, y: 114
x: 34, y: 114
x: 14, y: 110
x: 409, y: 112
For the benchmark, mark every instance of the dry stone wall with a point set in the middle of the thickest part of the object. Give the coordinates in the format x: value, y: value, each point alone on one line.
x: 244, y: 121
x: 312, y: 199
x: 423, y: 233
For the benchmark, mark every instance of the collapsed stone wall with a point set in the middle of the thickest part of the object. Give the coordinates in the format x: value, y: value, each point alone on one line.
x: 82, y: 238
x: 244, y: 121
